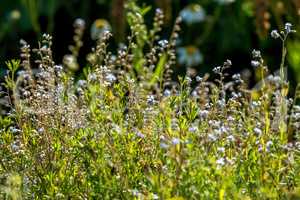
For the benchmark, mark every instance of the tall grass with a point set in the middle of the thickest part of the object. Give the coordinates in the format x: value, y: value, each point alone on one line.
x: 127, y: 130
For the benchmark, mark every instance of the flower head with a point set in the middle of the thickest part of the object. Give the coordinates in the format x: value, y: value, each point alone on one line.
x: 99, y: 27
x: 193, y: 13
x: 189, y: 56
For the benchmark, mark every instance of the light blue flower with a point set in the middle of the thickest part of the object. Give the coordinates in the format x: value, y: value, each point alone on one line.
x: 189, y: 56
x: 175, y: 141
x: 193, y: 13
x: 224, y: 2
x: 99, y: 27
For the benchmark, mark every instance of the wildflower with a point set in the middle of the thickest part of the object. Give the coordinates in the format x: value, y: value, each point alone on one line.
x: 163, y: 43
x: 236, y: 76
x: 79, y: 23
x: 99, y: 27
x: 175, y: 141
x: 203, y: 113
x: 220, y: 162
x: 151, y: 99
x: 230, y: 118
x: 275, y: 34
x: 198, y: 79
x: 217, y: 69
x: 227, y: 63
x: 167, y: 93
x: 224, y: 2
x: 288, y: 28
x: 188, y: 79
x: 58, y: 68
x: 110, y: 78
x: 15, y: 15
x: 41, y: 130
x: 255, y: 63
x: 212, y: 137
x: 163, y: 145
x: 82, y: 83
x: 92, y: 77
x: 230, y: 138
x: 155, y: 196
x: 140, y: 135
x: 193, y: 129
x: 193, y: 13
x: 257, y: 131
x: 256, y: 54
x: 269, y: 144
x: 221, y: 149
x: 71, y: 62
x: 221, y: 103
x: 135, y: 192
x: 14, y: 130
x: 195, y: 93
x: 189, y: 56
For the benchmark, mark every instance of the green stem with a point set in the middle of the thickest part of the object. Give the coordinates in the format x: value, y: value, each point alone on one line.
x: 283, y: 56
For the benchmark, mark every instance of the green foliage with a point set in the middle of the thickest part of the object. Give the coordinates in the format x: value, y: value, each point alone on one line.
x: 125, y: 130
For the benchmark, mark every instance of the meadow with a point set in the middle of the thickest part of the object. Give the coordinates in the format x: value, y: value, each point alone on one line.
x: 127, y: 129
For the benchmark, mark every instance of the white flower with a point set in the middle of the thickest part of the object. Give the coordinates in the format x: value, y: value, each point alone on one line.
x: 80, y: 23
x: 255, y: 63
x: 198, y: 78
x: 257, y: 131
x: 220, y: 162
x: 275, y: 34
x: 212, y: 137
x: 163, y: 43
x: 110, y: 78
x: 230, y: 138
x: 167, y: 93
x: 221, y: 149
x: 288, y: 27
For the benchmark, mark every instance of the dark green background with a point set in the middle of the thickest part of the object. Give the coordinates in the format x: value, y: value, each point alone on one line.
x: 229, y: 31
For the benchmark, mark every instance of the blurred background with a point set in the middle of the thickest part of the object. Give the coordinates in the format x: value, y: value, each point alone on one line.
x: 212, y: 30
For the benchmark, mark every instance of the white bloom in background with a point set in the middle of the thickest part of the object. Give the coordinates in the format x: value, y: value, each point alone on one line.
x: 71, y: 62
x: 99, y: 27
x: 79, y: 23
x: 224, y: 2
x: 193, y: 13
x: 189, y: 56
